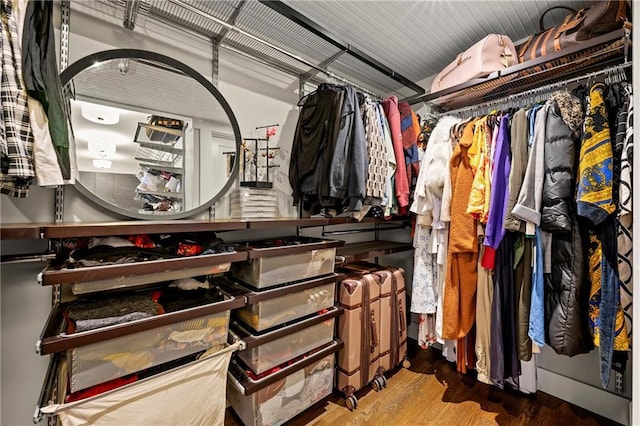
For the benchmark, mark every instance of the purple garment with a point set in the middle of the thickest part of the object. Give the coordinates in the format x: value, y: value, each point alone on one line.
x: 499, y: 186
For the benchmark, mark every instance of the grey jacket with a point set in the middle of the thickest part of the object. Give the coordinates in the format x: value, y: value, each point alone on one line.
x: 530, y: 198
x: 348, y: 171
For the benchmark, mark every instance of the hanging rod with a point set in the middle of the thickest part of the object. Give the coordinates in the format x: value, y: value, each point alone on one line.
x: 360, y: 230
x: 537, y: 90
x: 23, y: 258
x: 266, y: 43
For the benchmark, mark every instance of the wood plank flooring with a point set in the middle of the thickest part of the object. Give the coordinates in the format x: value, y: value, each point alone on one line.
x: 432, y: 392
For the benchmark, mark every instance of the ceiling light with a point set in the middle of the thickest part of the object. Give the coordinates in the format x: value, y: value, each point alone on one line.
x: 100, y: 147
x: 100, y: 114
x: 102, y: 164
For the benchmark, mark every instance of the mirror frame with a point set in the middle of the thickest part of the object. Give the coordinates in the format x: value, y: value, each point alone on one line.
x: 80, y: 65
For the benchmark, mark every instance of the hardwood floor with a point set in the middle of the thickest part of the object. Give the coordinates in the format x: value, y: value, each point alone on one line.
x: 432, y: 392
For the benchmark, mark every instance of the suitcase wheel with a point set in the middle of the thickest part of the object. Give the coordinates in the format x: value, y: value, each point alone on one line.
x: 384, y: 381
x: 406, y: 363
x: 351, y: 402
x: 377, y: 384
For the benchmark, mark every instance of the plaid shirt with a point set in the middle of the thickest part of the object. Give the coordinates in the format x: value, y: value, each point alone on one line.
x: 16, y: 138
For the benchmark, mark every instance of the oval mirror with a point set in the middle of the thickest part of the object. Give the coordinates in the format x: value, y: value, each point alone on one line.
x: 154, y: 138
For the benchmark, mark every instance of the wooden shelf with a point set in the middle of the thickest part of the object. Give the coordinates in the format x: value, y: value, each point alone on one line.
x: 20, y: 231
x: 607, y: 49
x: 370, y: 249
x: 169, y: 169
x: 176, y: 195
x: 160, y: 147
x: 138, y: 273
x: 139, y: 227
x: 97, y: 229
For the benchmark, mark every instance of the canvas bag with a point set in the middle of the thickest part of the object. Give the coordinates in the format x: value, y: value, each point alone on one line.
x: 581, y: 25
x: 492, y: 53
x: 194, y: 394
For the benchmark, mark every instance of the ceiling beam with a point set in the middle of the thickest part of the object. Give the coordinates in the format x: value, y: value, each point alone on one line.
x: 315, y: 28
x: 324, y: 64
x: 231, y: 20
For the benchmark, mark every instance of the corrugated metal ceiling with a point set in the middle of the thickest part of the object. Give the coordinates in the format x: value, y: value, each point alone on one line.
x: 415, y: 39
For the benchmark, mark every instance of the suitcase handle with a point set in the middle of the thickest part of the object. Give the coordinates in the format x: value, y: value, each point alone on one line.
x: 403, y: 323
x: 374, y: 337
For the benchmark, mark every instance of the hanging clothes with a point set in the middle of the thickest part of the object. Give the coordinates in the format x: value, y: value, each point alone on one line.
x: 529, y: 202
x: 42, y: 79
x: 528, y: 208
x: 519, y: 157
x: 431, y: 231
x: 314, y: 140
x: 348, y: 169
x: 564, y: 291
x: 624, y: 151
x: 45, y: 160
x: 424, y: 292
x: 390, y: 106
x: 498, y: 192
x: 523, y: 249
x: 408, y: 125
x: 504, y: 355
x: 16, y: 137
x: 481, y: 167
x: 388, y: 200
x: 377, y: 153
x: 595, y: 202
x: 462, y: 273
x: 484, y: 303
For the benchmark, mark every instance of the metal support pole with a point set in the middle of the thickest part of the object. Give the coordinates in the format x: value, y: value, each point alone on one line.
x: 131, y: 9
x: 64, y: 62
x: 301, y: 81
x: 215, y: 61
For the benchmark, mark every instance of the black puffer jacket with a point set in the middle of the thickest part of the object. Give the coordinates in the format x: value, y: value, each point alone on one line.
x: 560, y: 147
x: 566, y: 295
x: 566, y: 290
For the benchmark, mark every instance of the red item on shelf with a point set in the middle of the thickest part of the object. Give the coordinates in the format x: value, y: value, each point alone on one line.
x: 101, y: 388
x: 142, y: 241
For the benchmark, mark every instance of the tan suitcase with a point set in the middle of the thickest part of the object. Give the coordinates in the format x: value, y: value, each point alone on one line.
x: 393, y: 283
x: 375, y: 346
x: 359, y: 328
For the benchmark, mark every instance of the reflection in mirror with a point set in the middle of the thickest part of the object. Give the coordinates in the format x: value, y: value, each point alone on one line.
x: 149, y: 136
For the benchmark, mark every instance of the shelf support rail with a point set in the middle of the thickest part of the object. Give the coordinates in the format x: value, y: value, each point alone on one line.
x: 536, y: 94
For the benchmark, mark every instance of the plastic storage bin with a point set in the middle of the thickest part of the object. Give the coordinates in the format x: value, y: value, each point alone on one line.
x: 278, y: 397
x: 250, y: 203
x: 272, y: 308
x: 284, y: 260
x: 266, y: 351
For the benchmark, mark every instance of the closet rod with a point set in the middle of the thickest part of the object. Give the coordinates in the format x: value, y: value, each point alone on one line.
x: 261, y: 41
x: 537, y: 90
x: 23, y: 258
x: 360, y: 230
